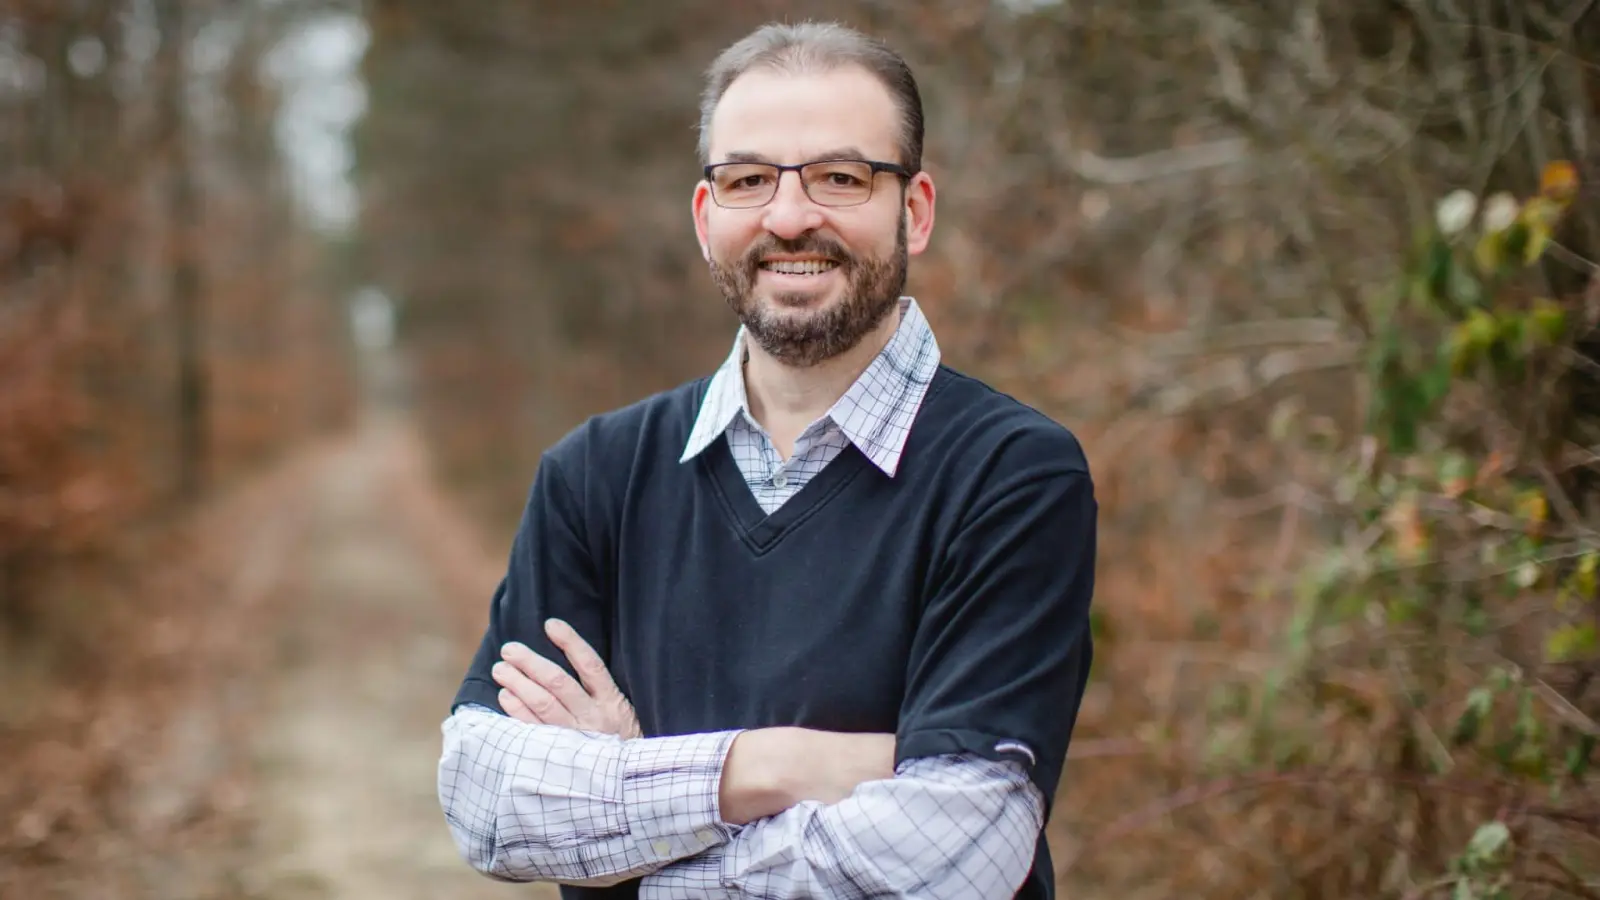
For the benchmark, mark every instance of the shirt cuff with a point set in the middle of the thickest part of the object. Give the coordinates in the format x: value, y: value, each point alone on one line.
x: 671, y: 790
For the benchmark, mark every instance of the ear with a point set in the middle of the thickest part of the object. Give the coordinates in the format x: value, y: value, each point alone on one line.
x: 920, y: 199
x: 699, y: 206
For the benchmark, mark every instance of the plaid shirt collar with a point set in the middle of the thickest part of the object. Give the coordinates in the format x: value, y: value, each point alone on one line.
x: 875, y: 414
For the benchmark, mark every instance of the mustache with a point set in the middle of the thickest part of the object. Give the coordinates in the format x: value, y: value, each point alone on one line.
x: 816, y: 244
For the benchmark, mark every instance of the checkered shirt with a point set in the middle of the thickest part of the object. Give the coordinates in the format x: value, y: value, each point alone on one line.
x: 541, y: 803
x: 875, y: 414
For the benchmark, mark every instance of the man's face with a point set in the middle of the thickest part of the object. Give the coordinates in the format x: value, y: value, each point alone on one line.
x: 809, y: 280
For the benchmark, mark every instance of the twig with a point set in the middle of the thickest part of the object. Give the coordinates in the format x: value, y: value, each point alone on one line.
x: 1246, y: 336
x: 1428, y: 887
x: 1230, y: 380
x: 1580, y: 11
x: 1158, y: 164
x: 1575, y: 883
x: 1571, y: 257
x: 1564, y: 708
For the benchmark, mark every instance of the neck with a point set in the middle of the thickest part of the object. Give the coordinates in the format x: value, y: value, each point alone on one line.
x: 785, y: 399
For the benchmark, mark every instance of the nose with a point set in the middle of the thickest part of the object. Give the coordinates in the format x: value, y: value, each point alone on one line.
x: 791, y: 213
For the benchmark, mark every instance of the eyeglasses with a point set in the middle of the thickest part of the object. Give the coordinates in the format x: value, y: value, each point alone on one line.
x: 828, y: 182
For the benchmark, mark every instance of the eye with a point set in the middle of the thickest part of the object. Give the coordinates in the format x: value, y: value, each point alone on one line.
x: 743, y: 178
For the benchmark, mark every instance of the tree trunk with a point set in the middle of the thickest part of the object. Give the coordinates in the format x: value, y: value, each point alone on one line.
x: 184, y: 211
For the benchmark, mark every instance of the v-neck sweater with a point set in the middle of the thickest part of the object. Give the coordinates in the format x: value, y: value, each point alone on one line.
x: 947, y: 605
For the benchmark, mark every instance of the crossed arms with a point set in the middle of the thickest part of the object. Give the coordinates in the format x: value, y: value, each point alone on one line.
x: 548, y: 788
x: 570, y: 793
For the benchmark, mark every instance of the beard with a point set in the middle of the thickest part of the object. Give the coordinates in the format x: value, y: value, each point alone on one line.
x: 872, y: 290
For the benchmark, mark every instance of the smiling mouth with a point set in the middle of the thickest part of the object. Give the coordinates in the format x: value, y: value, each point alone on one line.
x: 799, y: 267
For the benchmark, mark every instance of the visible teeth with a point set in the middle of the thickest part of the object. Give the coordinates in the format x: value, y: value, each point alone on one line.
x: 807, y: 267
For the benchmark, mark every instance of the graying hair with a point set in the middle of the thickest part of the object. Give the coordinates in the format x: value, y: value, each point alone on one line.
x: 810, y: 47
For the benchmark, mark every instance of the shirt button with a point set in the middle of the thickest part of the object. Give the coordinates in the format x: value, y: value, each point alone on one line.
x: 779, y: 479
x: 662, y: 848
x: 706, y: 836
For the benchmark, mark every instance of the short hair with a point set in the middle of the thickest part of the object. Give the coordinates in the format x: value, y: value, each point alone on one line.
x: 809, y: 47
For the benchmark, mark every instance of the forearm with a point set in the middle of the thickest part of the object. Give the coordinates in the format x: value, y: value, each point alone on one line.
x: 769, y: 770
x: 541, y: 803
x: 943, y: 827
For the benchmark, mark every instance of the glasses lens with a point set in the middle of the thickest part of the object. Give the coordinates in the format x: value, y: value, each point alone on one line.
x: 838, y: 183
x: 743, y: 184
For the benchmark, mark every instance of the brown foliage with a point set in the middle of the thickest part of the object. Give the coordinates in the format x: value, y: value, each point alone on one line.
x: 136, y: 242
x: 1174, y: 226
x: 103, y: 274
x: 1163, y: 223
x: 126, y: 769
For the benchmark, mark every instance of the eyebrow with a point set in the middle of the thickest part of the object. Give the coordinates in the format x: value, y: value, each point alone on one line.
x: 746, y: 156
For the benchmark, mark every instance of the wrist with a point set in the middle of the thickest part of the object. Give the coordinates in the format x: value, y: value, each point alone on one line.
x: 769, y: 770
x: 759, y: 777
x: 670, y: 793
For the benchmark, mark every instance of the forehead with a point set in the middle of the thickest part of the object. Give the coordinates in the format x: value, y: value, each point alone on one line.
x: 786, y: 117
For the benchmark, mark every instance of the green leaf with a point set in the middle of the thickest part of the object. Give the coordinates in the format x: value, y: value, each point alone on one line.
x: 1455, y: 473
x: 1571, y: 642
x: 1533, y: 508
x: 1464, y: 290
x: 1488, y: 841
x: 1480, y: 702
x: 1529, y: 761
x: 1437, y: 262
x: 1538, y: 230
x: 1434, y: 384
x: 1475, y: 619
x: 1513, y: 242
x: 1526, y: 575
x: 1470, y: 341
x: 1508, y: 349
x: 1403, y: 608
x: 1583, y: 580
x: 1579, y: 754
x: 1527, y: 727
x: 1489, y: 254
x: 1547, y: 322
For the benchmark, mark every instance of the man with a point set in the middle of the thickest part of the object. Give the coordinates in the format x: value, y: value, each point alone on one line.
x: 814, y: 626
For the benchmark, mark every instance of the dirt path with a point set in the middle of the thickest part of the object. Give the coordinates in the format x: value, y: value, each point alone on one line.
x: 344, y: 793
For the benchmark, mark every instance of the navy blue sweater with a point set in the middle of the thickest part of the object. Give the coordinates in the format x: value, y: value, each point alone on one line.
x: 947, y: 605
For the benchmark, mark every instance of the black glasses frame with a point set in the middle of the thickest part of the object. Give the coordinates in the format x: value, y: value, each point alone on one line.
x: 797, y: 168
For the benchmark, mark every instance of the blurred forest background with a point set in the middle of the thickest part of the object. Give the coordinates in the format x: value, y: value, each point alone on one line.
x: 1315, y: 283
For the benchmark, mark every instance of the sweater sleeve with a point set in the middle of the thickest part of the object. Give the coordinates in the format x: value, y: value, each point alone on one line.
x: 551, y: 573
x: 529, y: 802
x: 1000, y: 658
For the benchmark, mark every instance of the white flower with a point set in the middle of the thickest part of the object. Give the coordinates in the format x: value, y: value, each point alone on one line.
x: 1455, y: 211
x: 1499, y: 211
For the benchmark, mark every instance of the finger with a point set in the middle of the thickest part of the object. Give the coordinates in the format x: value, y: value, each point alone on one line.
x: 539, y: 701
x: 588, y: 664
x: 549, y: 676
x: 516, y: 709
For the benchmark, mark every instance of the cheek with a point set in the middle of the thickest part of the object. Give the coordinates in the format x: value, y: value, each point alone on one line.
x: 871, y: 235
x: 728, y: 241
x: 723, y: 245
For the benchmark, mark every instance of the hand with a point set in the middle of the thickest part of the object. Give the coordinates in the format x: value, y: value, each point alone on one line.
x: 537, y: 691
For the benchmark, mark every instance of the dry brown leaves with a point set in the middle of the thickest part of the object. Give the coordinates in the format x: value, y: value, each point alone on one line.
x: 124, y: 763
